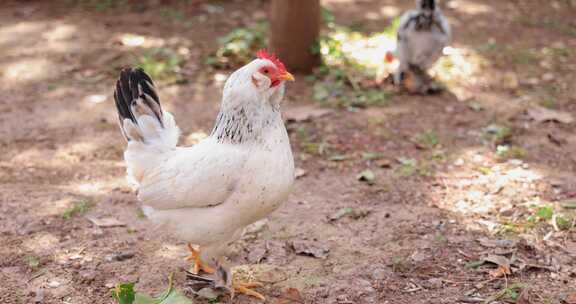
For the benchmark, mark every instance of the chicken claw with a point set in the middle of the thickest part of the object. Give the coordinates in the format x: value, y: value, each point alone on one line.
x: 195, y: 257
x: 246, y: 288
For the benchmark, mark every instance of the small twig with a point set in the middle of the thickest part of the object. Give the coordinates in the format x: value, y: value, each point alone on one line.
x: 471, y: 300
x: 463, y: 253
x: 36, y: 275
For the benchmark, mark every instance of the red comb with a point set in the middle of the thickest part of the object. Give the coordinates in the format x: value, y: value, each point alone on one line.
x: 263, y: 54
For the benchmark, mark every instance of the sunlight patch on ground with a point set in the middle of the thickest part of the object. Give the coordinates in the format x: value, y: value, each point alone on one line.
x: 135, y: 40
x: 25, y: 157
x: 41, y: 243
x: 60, y: 32
x: 361, y: 52
x: 13, y: 33
x: 469, y: 7
x: 168, y: 251
x: 50, y: 208
x: 97, y: 187
x: 479, y: 189
x: 95, y: 98
x: 459, y: 66
x: 27, y: 70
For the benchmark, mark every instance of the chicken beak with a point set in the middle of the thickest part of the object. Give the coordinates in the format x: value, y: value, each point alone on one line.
x: 286, y: 77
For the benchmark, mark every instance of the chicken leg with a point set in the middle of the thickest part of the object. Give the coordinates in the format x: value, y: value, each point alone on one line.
x: 246, y: 288
x: 198, y: 264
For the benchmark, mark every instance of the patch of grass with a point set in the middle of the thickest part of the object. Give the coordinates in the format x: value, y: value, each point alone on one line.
x: 399, y: 264
x: 505, y: 152
x: 31, y: 261
x: 427, y: 139
x: 407, y: 167
x: 350, y: 65
x: 160, y: 63
x: 563, y: 223
x: 547, y: 213
x: 313, y: 148
x: 548, y: 103
x: 498, y: 133
x: 140, y: 214
x: 77, y: 208
x: 438, y: 156
x: 239, y: 46
x: 509, y: 294
x: 391, y: 29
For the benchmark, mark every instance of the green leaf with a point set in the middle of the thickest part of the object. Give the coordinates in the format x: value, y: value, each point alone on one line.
x: 124, y: 294
x: 321, y: 92
x: 545, y: 212
x: 563, y: 223
x: 79, y: 207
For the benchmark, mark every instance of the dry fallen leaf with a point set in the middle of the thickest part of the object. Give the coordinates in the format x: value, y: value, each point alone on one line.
x: 106, y: 222
x: 503, y: 265
x: 304, y: 113
x: 501, y: 271
x: 291, y: 296
x: 541, y: 114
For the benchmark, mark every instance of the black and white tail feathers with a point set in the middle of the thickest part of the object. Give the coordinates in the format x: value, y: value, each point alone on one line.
x: 140, y: 113
x: 427, y: 5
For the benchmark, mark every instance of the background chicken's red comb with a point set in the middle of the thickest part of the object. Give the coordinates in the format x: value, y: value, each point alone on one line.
x: 263, y: 54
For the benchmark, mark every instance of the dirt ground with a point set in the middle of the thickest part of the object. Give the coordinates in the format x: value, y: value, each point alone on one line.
x: 415, y: 234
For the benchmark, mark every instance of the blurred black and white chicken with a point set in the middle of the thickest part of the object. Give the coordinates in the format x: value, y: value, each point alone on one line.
x: 208, y: 193
x: 422, y: 35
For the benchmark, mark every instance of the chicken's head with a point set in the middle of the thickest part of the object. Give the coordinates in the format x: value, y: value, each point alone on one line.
x: 269, y: 72
x: 262, y: 79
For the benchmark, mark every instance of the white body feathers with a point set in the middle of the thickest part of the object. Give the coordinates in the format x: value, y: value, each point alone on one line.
x: 207, y: 194
x: 420, y: 46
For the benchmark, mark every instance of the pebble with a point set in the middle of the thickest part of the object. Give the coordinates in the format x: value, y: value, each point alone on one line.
x: 54, y: 284
x: 548, y: 77
x: 88, y: 275
x: 122, y: 256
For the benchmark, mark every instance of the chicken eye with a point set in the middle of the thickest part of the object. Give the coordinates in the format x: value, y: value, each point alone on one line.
x: 266, y: 71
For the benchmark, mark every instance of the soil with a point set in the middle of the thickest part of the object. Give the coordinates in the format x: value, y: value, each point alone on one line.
x: 411, y: 235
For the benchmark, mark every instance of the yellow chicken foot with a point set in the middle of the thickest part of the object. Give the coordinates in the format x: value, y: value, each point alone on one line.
x: 198, y: 265
x: 246, y: 288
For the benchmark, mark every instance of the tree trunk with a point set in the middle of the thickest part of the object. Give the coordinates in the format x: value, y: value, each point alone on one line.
x: 294, y: 29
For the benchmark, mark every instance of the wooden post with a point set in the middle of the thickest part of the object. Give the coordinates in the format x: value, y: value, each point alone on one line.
x: 294, y: 29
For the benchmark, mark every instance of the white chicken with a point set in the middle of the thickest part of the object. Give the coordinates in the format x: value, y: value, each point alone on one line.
x: 208, y: 193
x: 422, y: 34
